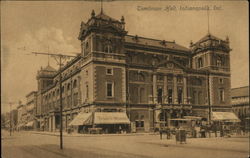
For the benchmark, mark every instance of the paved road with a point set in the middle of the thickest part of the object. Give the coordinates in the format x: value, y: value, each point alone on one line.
x: 30, y: 145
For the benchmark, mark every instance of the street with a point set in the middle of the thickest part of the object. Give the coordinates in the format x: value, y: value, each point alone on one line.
x: 35, y: 145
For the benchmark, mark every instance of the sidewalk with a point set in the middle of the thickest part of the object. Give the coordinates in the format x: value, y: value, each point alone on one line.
x: 124, y: 134
x: 237, y: 144
x: 87, y: 135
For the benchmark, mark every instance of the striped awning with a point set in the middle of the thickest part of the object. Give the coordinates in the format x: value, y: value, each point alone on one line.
x: 30, y: 124
x: 225, y: 116
x: 81, y: 119
x: 111, y: 118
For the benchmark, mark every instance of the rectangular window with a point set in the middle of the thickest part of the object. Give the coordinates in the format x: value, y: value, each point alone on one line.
x: 110, y: 90
x: 170, y: 96
x: 179, y: 96
x: 87, y: 91
x: 221, y: 80
x: 109, y: 71
x: 200, y: 62
x: 222, y: 95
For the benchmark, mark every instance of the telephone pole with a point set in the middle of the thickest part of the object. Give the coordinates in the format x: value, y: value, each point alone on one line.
x: 10, y: 117
x: 58, y: 58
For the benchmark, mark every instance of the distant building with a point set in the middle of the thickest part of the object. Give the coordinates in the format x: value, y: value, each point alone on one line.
x: 14, y: 119
x: 139, y: 80
x: 240, y: 102
x: 3, y: 120
x: 30, y: 108
x: 20, y: 119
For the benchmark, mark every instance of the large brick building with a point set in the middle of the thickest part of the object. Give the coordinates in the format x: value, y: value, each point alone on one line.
x: 148, y: 80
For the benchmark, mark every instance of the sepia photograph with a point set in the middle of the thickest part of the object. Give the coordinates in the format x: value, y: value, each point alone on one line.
x: 124, y: 78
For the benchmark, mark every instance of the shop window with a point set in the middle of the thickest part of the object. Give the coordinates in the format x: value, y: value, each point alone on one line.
x: 139, y: 123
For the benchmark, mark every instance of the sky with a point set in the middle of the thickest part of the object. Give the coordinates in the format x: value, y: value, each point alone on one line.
x: 47, y: 26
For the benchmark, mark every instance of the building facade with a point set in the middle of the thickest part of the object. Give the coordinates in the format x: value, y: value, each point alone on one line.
x: 150, y: 80
x: 31, y: 104
x: 240, y: 103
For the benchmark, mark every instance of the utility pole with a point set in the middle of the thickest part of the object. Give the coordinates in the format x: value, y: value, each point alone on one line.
x: 10, y: 117
x: 58, y: 58
x: 209, y: 104
x: 208, y: 97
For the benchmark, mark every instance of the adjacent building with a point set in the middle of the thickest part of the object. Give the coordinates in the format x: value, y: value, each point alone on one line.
x: 240, y: 103
x: 121, y: 81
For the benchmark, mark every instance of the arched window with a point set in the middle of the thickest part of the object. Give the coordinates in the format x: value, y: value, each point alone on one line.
x: 161, y: 116
x: 62, y: 89
x: 179, y: 96
x: 68, y: 88
x: 200, y: 62
x: 74, y: 84
x: 219, y: 61
x: 108, y: 48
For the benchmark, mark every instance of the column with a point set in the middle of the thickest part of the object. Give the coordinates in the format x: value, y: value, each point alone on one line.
x: 185, y: 89
x: 53, y: 123
x: 49, y: 123
x: 168, y: 117
x: 175, y: 98
x: 154, y: 89
x: 165, y: 89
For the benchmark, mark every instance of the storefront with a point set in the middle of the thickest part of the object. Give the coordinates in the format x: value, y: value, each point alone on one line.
x: 227, y: 122
x: 107, y: 122
x: 29, y: 125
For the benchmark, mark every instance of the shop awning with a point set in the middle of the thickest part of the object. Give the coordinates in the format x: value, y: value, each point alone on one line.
x: 30, y: 124
x: 111, y: 118
x: 81, y: 119
x: 21, y: 125
x: 193, y: 117
x: 225, y: 116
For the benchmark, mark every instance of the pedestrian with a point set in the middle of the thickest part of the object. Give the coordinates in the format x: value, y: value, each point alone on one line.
x: 160, y: 133
x: 120, y: 129
x: 221, y: 131
x: 168, y: 133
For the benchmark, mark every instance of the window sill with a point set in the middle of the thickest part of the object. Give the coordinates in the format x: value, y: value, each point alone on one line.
x: 109, y: 97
